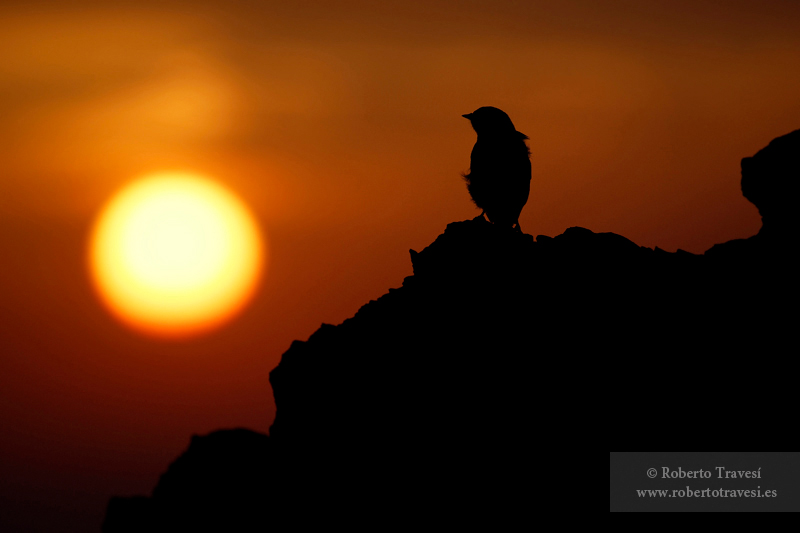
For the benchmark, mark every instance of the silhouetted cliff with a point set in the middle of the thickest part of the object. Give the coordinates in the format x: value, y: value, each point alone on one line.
x: 220, y: 483
x: 432, y: 395
x: 440, y: 395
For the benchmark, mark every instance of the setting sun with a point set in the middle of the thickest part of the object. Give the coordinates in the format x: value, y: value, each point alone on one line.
x: 175, y: 254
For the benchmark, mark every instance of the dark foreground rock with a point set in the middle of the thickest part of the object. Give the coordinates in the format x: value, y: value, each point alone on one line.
x: 220, y: 483
x: 456, y: 395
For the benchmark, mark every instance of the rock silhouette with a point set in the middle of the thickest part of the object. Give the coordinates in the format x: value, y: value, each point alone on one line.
x: 218, y: 484
x: 433, y: 399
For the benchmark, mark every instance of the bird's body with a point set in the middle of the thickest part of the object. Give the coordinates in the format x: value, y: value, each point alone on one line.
x: 499, y: 177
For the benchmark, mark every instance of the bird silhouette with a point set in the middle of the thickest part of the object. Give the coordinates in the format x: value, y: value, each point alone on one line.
x: 499, y: 177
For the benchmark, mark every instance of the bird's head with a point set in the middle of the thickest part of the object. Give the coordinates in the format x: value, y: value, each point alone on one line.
x: 492, y: 121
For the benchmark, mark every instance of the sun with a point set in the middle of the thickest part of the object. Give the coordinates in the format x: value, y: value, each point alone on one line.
x: 175, y: 254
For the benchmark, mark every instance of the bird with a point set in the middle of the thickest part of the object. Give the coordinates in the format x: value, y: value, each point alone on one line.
x: 499, y: 176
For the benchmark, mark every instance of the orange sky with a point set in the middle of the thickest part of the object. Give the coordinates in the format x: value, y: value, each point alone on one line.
x: 341, y: 127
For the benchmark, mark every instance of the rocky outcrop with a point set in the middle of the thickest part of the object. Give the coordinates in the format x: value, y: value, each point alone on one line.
x: 222, y: 482
x: 449, y: 383
x: 435, y: 396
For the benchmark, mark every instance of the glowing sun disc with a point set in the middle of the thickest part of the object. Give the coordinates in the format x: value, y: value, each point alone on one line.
x: 175, y: 254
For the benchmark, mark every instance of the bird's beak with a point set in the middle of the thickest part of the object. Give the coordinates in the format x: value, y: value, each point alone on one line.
x: 468, y: 116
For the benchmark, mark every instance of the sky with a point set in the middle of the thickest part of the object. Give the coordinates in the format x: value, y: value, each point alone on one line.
x: 339, y: 124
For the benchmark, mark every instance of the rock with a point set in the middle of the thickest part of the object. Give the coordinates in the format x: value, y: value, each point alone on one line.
x: 439, y: 396
x: 224, y: 481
